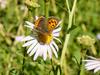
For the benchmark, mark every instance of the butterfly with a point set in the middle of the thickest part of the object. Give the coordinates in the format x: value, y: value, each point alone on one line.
x: 46, y: 25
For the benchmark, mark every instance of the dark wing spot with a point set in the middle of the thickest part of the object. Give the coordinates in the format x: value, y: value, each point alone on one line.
x: 49, y: 22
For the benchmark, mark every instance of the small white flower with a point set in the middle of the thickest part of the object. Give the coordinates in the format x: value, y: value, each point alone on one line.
x: 37, y: 48
x: 19, y: 38
x: 92, y: 64
x: 98, y: 36
x: 3, y: 4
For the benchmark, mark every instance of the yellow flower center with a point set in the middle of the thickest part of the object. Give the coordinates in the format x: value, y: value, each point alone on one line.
x: 45, y: 38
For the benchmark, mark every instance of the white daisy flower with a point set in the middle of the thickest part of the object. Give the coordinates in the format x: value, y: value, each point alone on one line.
x: 42, y: 44
x: 92, y: 64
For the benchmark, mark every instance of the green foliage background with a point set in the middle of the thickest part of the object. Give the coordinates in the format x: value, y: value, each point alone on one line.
x: 13, y: 57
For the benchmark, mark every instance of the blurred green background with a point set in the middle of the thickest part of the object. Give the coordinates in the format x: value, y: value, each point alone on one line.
x: 14, y: 13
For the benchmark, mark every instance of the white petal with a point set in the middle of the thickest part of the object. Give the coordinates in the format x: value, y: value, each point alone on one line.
x: 90, y: 60
x: 36, y: 17
x: 32, y: 46
x: 19, y: 38
x: 59, y: 23
x: 92, y: 57
x: 57, y: 39
x: 29, y: 23
x: 97, y: 69
x: 54, y: 51
x: 55, y: 45
x: 57, y: 30
x: 92, y: 63
x: 31, y: 27
x: 28, y: 43
x: 40, y: 50
x: 37, y: 53
x: 92, y: 67
x: 49, y: 51
x: 45, y: 52
x: 27, y: 38
x: 56, y: 34
x: 34, y: 50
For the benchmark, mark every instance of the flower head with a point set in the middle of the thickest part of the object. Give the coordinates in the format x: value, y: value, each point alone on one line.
x: 86, y: 40
x: 42, y: 43
x: 92, y: 64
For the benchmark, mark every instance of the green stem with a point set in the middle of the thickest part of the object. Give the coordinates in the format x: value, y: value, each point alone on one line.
x: 63, y: 61
x: 67, y: 3
x: 71, y: 15
x: 93, y: 49
x: 46, y: 8
x: 54, y: 6
x: 82, y: 69
x: 24, y: 53
x: 9, y: 65
x: 65, y: 47
x: 36, y: 10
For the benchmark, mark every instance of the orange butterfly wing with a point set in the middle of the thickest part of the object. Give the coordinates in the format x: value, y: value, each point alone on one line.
x: 40, y: 24
x: 52, y: 23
